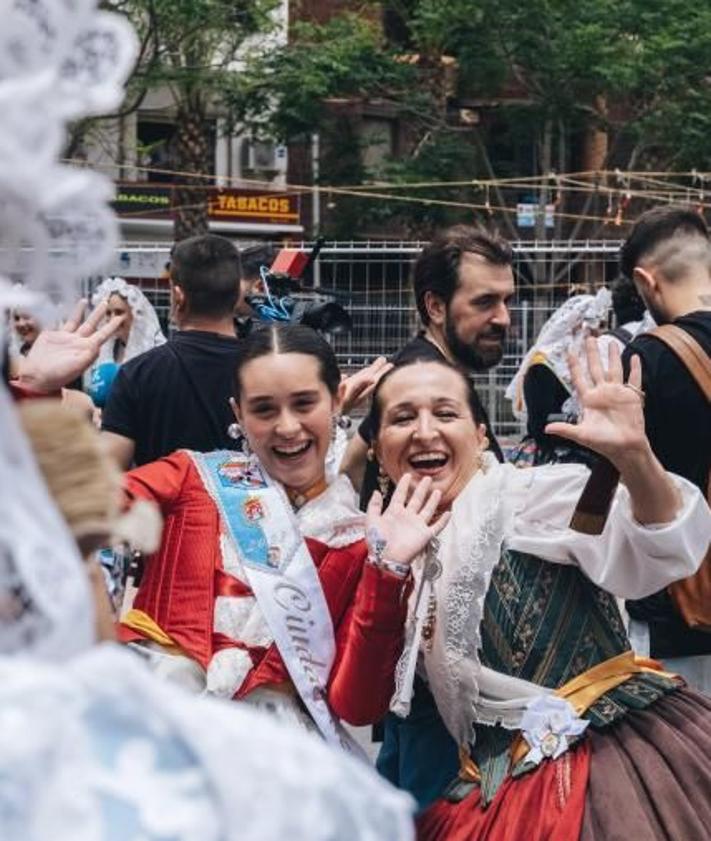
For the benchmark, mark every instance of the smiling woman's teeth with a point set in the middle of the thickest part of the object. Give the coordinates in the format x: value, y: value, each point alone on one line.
x: 294, y: 450
x: 429, y: 460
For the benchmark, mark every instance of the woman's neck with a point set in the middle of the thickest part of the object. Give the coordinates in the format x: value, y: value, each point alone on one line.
x: 300, y: 497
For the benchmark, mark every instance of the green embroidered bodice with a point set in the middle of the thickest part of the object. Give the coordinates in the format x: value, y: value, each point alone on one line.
x: 548, y: 623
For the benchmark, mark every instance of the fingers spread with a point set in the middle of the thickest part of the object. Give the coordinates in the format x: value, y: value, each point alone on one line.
x: 597, y: 373
x: 440, y: 523
x: 635, y: 377
x: 428, y: 509
x: 401, y: 490
x: 564, y: 430
x: 576, y: 376
x: 105, y: 332
x: 420, y: 494
x: 375, y: 506
x: 90, y: 325
x: 614, y: 363
x: 74, y: 320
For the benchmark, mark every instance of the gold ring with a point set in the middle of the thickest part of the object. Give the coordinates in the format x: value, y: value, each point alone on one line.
x: 637, y: 390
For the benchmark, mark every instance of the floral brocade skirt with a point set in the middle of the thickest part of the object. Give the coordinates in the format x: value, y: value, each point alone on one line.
x: 645, y: 778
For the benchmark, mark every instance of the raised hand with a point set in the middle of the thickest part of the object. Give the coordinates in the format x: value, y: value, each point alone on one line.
x: 360, y: 385
x: 59, y: 356
x: 407, y: 525
x: 612, y: 421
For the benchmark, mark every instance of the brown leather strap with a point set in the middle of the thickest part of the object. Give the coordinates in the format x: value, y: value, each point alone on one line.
x: 591, y: 512
x: 689, y: 351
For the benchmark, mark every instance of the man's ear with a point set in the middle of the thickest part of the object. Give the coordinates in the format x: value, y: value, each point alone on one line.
x: 645, y: 280
x: 179, y: 299
x: 436, y: 308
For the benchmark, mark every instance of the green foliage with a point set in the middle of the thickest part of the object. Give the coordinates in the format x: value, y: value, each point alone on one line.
x: 285, y: 91
x: 193, y: 44
x: 634, y: 68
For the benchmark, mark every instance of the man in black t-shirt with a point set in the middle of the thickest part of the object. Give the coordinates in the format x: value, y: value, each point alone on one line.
x: 668, y: 254
x: 177, y: 395
x: 463, y: 282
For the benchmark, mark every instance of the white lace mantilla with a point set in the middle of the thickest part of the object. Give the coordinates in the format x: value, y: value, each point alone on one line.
x: 145, y: 333
x: 470, y: 548
x: 60, y: 60
x: 98, y: 749
x: 44, y: 594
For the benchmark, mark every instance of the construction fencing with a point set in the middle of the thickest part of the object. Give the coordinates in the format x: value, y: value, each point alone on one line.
x: 372, y: 280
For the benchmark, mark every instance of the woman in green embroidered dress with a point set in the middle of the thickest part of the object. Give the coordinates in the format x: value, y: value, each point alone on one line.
x: 514, y: 628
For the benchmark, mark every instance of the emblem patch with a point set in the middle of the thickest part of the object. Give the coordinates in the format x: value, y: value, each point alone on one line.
x: 253, y: 509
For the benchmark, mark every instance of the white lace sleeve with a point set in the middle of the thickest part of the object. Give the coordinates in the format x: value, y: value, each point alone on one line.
x: 99, y: 750
x: 627, y: 559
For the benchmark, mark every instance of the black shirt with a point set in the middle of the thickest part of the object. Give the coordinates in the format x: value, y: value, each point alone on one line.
x: 175, y: 396
x: 678, y: 424
x: 676, y: 413
x: 417, y: 348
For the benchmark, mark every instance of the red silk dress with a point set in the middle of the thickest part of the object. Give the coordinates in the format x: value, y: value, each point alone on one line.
x: 183, y: 581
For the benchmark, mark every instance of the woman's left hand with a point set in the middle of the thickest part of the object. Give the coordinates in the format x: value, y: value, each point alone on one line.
x: 408, y: 524
x: 612, y: 421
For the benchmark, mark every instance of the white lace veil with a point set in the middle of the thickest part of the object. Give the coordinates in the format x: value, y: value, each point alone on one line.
x: 563, y: 333
x: 93, y: 747
x: 145, y: 332
x: 45, y: 605
x: 60, y: 60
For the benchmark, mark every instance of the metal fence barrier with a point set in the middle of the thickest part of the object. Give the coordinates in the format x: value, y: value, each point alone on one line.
x: 372, y: 280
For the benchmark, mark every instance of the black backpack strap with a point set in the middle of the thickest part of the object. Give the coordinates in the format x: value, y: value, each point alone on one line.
x: 621, y: 333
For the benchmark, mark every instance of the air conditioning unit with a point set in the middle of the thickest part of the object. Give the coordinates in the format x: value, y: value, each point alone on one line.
x: 260, y: 156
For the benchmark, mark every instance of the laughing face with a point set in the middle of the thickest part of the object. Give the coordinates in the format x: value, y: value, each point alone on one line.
x: 285, y: 410
x: 26, y: 328
x: 427, y: 428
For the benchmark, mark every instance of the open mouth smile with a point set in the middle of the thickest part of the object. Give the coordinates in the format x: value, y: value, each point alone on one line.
x: 291, y: 452
x: 428, y: 463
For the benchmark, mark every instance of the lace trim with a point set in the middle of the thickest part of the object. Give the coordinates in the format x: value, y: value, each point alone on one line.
x: 471, y: 549
x: 407, y: 663
x: 464, y: 611
x: 333, y: 517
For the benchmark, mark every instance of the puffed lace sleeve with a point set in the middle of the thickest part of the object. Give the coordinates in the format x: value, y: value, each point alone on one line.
x: 628, y: 560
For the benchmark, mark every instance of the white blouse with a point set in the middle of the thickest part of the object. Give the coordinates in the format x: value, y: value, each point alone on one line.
x: 628, y: 560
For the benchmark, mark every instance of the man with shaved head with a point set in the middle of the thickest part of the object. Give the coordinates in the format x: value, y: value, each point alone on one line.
x: 668, y: 256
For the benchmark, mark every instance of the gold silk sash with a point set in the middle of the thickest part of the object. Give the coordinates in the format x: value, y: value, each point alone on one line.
x: 143, y: 624
x: 581, y: 692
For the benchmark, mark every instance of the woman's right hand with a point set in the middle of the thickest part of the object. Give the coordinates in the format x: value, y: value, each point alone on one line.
x: 401, y: 532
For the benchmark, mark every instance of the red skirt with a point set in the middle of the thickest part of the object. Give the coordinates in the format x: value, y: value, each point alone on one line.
x: 547, y: 803
x: 645, y: 778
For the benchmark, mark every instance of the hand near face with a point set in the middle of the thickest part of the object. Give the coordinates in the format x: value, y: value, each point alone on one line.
x: 612, y: 421
x: 360, y: 385
x: 407, y: 526
x: 59, y: 356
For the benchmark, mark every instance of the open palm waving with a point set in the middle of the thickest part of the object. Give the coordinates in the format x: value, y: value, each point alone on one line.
x: 612, y: 421
x: 406, y: 527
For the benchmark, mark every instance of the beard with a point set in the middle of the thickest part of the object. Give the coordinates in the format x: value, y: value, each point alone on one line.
x: 473, y: 356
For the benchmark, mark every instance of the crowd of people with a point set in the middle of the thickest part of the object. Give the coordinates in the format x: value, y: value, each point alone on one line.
x: 530, y: 638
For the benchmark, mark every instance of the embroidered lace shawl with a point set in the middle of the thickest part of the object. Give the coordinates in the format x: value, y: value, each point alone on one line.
x: 529, y: 511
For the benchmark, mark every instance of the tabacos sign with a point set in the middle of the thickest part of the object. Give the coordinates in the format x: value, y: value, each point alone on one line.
x: 245, y: 205
x: 153, y: 201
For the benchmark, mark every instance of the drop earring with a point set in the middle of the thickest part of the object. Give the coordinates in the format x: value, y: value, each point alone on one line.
x: 235, y: 431
x: 384, y: 483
